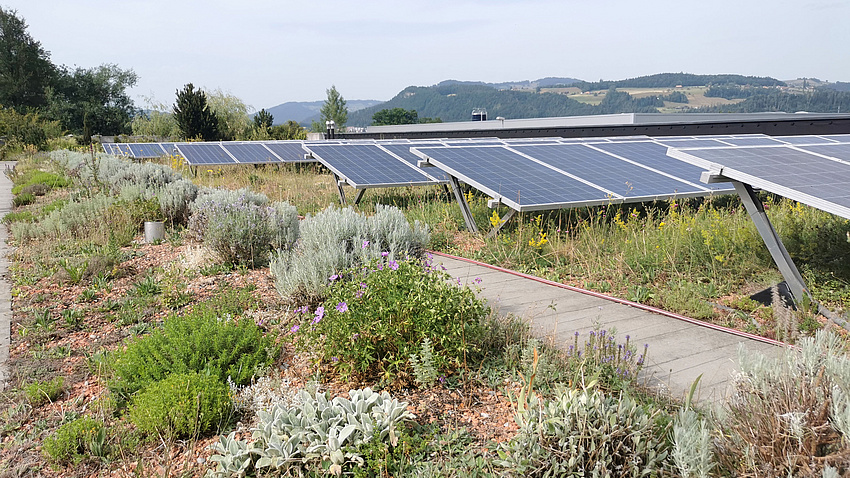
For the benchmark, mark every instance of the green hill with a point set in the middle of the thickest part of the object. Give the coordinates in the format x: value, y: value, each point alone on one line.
x: 454, y: 102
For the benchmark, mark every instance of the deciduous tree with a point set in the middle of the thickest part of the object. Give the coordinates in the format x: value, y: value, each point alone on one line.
x: 25, y: 67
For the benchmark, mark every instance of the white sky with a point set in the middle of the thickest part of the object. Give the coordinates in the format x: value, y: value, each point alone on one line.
x: 270, y: 52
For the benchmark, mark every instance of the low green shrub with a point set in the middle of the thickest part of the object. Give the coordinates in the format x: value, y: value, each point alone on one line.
x: 45, y: 179
x: 338, y: 239
x: 23, y: 199
x: 586, y: 433
x: 76, y: 441
x: 21, y: 216
x: 241, y: 228
x: 211, y: 339
x: 376, y: 317
x: 182, y: 405
x: 38, y: 393
x: 314, y: 434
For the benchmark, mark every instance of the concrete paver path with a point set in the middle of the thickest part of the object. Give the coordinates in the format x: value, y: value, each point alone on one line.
x: 5, y: 280
x: 680, y: 349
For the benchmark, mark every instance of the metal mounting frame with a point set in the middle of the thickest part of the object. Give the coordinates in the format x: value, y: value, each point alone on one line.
x: 464, y: 206
x: 755, y: 208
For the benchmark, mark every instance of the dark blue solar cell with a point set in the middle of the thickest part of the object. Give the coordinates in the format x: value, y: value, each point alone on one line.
x: 288, y: 151
x: 403, y: 151
x: 654, y: 155
x: 204, y: 154
x: 836, y: 150
x: 518, y: 181
x: 121, y: 149
x: 620, y: 177
x: 367, y: 165
x: 145, y: 150
x: 254, y: 153
x: 170, y: 148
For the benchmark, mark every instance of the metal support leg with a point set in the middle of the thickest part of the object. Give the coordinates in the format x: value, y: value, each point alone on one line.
x: 359, y: 196
x: 464, y: 207
x: 504, y: 221
x: 774, y: 244
x: 341, y: 192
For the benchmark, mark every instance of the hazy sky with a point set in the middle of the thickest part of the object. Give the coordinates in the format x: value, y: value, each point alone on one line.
x: 269, y: 52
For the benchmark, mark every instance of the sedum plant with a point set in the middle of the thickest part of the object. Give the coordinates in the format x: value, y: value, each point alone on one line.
x: 586, y: 433
x: 314, y: 434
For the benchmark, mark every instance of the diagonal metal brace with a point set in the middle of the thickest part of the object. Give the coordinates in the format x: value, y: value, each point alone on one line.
x: 464, y: 206
x: 777, y: 250
x: 339, y: 184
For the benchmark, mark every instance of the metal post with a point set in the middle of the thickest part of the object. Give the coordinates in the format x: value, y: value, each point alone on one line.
x: 359, y: 196
x: 464, y: 207
x: 777, y: 250
x: 339, y: 188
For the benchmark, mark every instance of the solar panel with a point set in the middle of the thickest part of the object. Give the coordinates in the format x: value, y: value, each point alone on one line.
x: 836, y: 150
x: 654, y: 155
x: 796, y: 174
x: 170, y: 148
x: 253, y: 152
x: 288, y: 151
x: 620, y: 177
x: 403, y: 152
x: 367, y: 165
x: 841, y: 138
x: 209, y: 154
x: 690, y: 143
x: 751, y: 141
x: 107, y: 147
x: 145, y: 150
x: 516, y: 181
x: 121, y: 149
x: 803, y: 139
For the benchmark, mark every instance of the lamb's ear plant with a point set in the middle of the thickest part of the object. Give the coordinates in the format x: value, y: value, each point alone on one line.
x: 315, y: 434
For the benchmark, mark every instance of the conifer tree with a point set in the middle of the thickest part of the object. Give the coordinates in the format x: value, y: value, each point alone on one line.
x: 193, y: 115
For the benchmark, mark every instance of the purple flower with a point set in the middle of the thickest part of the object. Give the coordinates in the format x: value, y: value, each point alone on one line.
x: 342, y: 307
x: 358, y: 294
x: 385, y: 254
x: 380, y: 267
x: 294, y: 329
x: 301, y: 310
x: 333, y: 277
x: 335, y: 359
x: 393, y: 265
x: 320, y: 313
x: 355, y: 336
x: 365, y: 244
x: 477, y: 280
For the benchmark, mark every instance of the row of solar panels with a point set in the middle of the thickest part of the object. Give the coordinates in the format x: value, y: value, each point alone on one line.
x: 527, y: 174
x: 233, y: 152
x: 215, y: 154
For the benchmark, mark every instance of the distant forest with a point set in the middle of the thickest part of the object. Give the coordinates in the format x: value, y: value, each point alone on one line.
x: 672, y: 80
x: 454, y: 101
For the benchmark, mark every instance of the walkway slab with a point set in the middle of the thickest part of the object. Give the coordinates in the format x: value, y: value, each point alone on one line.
x: 680, y: 349
x: 5, y: 280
